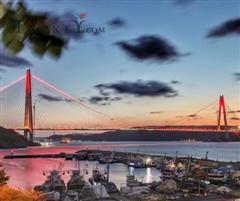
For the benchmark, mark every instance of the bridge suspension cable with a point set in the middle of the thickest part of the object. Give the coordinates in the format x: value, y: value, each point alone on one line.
x: 12, y: 83
x: 74, y: 99
x: 195, y: 113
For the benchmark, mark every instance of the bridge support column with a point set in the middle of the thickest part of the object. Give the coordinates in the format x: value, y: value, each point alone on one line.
x: 222, y: 108
x: 28, y: 117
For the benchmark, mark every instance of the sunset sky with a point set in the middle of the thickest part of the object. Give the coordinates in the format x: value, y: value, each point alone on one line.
x: 155, y: 62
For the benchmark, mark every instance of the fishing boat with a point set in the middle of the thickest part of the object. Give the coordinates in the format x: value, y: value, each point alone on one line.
x: 217, y: 177
x: 76, y: 182
x: 132, y: 181
x: 54, y: 182
x: 100, y: 176
x: 168, y: 171
x: 173, y: 171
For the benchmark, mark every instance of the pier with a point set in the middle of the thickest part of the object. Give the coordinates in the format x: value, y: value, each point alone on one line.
x: 103, y: 156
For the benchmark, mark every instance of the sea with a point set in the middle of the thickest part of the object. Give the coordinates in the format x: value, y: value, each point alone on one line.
x: 27, y: 173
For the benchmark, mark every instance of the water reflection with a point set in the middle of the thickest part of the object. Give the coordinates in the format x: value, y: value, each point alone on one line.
x: 27, y: 173
x: 148, y: 176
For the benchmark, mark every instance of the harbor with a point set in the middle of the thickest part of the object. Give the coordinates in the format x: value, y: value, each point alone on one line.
x: 138, y: 160
x: 119, y: 100
x: 180, y: 178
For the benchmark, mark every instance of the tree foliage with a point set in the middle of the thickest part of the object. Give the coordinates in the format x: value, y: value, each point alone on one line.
x: 20, y: 27
x: 3, y: 178
x: 12, y: 194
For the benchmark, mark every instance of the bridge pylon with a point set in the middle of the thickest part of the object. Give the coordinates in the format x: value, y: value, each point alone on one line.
x: 28, y: 116
x: 221, y: 111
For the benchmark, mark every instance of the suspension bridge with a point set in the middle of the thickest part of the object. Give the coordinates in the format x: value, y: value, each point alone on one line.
x: 29, y: 121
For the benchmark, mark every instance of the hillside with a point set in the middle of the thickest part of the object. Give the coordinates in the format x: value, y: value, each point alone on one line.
x: 143, y: 135
x: 10, y: 139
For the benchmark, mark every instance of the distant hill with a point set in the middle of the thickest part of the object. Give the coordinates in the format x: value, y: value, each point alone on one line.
x: 72, y: 136
x: 151, y: 135
x: 10, y: 139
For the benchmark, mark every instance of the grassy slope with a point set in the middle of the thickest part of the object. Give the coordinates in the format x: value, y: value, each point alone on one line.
x: 11, y: 139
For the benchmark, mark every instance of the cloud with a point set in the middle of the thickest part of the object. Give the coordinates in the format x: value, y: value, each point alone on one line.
x: 233, y: 111
x: 179, y: 116
x: 235, y: 118
x: 2, y: 70
x: 230, y: 27
x: 11, y: 61
x: 52, y: 98
x: 237, y: 76
x: 150, y: 47
x: 139, y: 88
x: 117, y: 22
x: 183, y: 2
x: 192, y: 115
x: 175, y: 82
x: 103, y: 100
x: 156, y: 112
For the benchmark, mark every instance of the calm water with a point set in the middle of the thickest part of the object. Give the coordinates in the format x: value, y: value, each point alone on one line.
x: 27, y: 173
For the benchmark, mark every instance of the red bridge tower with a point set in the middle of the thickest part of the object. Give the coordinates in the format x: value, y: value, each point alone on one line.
x: 222, y: 109
x: 28, y: 117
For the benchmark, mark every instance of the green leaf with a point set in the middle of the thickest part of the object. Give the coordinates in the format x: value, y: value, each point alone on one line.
x: 16, y: 46
x: 55, y: 50
x: 7, y: 37
x: 21, y: 9
x: 39, y: 48
x: 2, y: 10
x: 19, y: 25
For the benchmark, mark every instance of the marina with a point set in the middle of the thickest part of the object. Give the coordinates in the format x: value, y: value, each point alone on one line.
x: 92, y: 176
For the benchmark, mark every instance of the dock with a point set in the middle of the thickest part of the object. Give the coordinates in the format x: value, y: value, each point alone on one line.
x: 34, y: 156
x: 120, y: 157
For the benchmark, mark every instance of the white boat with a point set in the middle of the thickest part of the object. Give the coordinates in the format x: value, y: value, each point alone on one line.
x: 217, y: 177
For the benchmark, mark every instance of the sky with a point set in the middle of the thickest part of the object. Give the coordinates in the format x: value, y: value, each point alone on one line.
x: 156, y: 61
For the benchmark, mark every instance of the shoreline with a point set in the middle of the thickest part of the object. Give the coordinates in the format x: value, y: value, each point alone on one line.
x: 61, y: 155
x: 207, y: 162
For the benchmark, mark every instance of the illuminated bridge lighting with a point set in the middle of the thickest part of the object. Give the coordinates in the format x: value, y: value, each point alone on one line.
x: 76, y: 100
x: 170, y: 127
x: 12, y: 83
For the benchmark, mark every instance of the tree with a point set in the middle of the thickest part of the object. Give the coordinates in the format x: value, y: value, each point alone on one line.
x: 3, y: 178
x: 11, y: 194
x: 20, y: 27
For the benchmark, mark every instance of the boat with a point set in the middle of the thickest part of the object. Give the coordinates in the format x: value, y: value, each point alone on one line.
x: 97, y: 176
x: 65, y: 140
x: 168, y: 171
x: 192, y: 140
x: 136, y: 165
x: 217, y: 177
x: 167, y: 174
x: 132, y: 181
x: 100, y: 176
x: 76, y: 182
x: 54, y: 182
x: 173, y: 171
